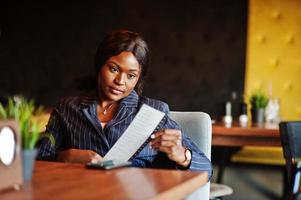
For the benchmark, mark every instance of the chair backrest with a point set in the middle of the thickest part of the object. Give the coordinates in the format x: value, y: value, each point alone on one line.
x: 291, y: 139
x: 198, y: 127
x: 290, y: 134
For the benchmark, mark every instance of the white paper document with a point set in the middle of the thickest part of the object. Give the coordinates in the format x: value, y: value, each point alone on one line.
x: 136, y: 134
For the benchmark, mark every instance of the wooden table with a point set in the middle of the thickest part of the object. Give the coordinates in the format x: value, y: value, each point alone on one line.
x: 236, y: 136
x: 53, y: 180
x: 252, y: 135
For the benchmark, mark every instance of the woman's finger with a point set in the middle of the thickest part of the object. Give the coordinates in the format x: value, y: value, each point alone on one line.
x: 167, y: 132
x: 166, y: 150
x: 165, y: 138
x: 96, y: 158
x: 164, y: 144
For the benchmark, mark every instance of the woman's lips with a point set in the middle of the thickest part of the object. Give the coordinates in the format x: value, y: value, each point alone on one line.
x: 116, y: 91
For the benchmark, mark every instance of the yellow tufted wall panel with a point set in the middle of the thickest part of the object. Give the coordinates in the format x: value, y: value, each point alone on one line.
x: 274, y: 53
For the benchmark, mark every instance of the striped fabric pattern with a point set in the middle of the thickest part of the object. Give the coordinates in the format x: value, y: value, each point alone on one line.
x: 74, y: 124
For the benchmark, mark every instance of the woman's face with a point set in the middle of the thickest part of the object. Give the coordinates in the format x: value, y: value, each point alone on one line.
x: 118, y: 76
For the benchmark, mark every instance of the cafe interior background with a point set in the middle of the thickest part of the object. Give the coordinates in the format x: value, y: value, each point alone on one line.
x: 203, y: 54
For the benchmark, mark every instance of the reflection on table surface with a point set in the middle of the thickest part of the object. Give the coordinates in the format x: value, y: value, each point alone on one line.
x: 53, y: 180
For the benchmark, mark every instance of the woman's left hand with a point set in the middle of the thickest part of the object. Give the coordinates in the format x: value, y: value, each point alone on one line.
x: 170, y: 142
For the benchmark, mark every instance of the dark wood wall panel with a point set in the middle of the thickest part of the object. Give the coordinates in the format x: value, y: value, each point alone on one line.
x: 197, y: 47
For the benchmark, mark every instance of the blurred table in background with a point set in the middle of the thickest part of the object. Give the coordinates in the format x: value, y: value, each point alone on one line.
x: 258, y: 144
x: 252, y: 135
x: 237, y: 136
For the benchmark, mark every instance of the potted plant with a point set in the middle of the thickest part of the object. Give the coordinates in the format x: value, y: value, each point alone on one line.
x: 23, y: 111
x: 258, y: 101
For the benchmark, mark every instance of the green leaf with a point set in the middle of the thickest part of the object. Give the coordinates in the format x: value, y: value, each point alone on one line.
x: 11, y: 108
x: 34, y: 136
x: 25, y: 132
x: 3, y: 114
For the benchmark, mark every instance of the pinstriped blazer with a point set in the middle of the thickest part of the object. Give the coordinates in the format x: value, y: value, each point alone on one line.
x: 74, y: 124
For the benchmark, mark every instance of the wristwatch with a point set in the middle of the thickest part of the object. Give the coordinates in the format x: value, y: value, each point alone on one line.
x: 187, y: 160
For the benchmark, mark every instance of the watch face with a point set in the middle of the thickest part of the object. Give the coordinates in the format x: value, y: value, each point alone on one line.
x: 8, y: 145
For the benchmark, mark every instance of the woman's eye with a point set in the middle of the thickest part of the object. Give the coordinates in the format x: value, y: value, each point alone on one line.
x: 113, y: 69
x: 131, y: 76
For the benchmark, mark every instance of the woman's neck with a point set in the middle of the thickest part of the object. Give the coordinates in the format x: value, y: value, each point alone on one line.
x: 105, y: 103
x: 106, y: 110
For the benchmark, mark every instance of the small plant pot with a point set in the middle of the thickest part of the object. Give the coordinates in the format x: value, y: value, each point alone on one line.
x: 29, y: 157
x: 257, y: 115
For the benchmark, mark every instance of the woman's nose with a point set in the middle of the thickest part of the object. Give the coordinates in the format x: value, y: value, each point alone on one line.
x: 120, y: 79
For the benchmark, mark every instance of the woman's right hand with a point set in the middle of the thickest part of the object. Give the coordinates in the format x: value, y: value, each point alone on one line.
x: 79, y: 156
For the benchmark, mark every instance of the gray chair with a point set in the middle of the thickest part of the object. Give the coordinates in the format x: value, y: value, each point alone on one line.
x: 197, y: 125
